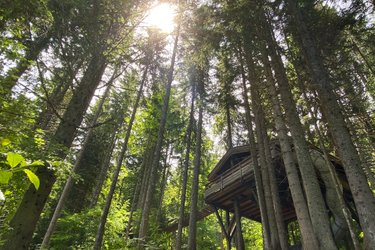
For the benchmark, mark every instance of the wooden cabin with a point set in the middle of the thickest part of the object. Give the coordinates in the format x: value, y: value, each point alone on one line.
x: 233, y: 177
x: 231, y: 187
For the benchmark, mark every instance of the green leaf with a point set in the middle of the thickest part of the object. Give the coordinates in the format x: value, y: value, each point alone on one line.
x: 14, y: 159
x: 36, y: 163
x: 5, y: 177
x: 5, y: 142
x: 33, y: 178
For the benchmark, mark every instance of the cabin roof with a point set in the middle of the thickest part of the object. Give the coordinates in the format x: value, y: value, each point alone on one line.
x: 233, y: 154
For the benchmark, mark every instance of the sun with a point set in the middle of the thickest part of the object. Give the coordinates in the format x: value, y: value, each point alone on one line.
x: 161, y: 16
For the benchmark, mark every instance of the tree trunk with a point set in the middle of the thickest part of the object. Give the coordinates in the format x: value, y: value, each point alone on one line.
x: 147, y: 160
x: 103, y: 219
x: 31, y: 206
x: 314, y: 197
x: 192, y: 244
x: 240, y: 244
x: 163, y: 185
x: 185, y: 168
x: 134, y: 205
x: 338, y: 192
x: 309, y: 239
x: 268, y: 168
x: 363, y: 196
x: 258, y: 113
x: 104, y: 168
x: 143, y: 229
x: 281, y: 228
x: 254, y: 156
x: 229, y: 126
x: 69, y: 182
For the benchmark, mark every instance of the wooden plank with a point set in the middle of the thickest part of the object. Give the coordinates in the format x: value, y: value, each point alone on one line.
x: 203, y: 213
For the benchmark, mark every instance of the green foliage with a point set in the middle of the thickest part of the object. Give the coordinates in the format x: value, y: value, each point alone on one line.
x: 252, y: 233
x: 211, y: 36
x: 208, y: 234
x: 14, y: 163
x: 81, y: 228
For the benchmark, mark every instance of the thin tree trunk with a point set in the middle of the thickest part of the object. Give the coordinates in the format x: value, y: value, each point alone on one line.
x: 104, y: 169
x: 281, y: 228
x: 69, y: 182
x: 185, y: 169
x: 32, y: 204
x: 147, y: 160
x: 257, y: 110
x: 227, y: 220
x: 143, y: 230
x: 229, y: 127
x: 192, y: 235
x: 103, y: 219
x: 134, y: 205
x: 163, y: 184
x: 268, y: 168
x: 254, y: 156
x: 309, y: 239
x: 239, y: 238
x: 363, y: 196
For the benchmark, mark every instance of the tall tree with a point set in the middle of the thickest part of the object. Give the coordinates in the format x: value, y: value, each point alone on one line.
x: 28, y: 213
x: 309, y: 239
x: 314, y: 197
x: 186, y: 161
x: 103, y: 219
x: 192, y: 242
x: 30, y: 208
x: 363, y: 197
x: 69, y: 182
x: 143, y: 230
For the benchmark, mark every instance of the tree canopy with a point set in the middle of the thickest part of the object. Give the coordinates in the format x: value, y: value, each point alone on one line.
x: 110, y: 123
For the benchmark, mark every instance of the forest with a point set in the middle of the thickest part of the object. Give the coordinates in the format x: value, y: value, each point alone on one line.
x: 119, y: 118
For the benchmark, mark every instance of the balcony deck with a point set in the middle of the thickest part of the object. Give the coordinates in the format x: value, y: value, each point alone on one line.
x: 238, y: 181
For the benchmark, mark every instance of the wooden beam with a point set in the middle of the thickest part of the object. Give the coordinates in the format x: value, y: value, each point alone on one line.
x: 239, y: 238
x: 203, y: 213
x: 232, y: 226
x: 221, y: 223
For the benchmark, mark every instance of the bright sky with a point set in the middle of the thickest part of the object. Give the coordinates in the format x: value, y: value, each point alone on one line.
x: 161, y: 16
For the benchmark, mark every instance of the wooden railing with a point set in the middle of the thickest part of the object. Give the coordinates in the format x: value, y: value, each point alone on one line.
x: 234, y: 174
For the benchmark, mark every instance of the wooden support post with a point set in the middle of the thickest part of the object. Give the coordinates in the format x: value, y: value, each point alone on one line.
x: 255, y: 196
x: 239, y: 239
x: 229, y: 239
x: 226, y: 231
x: 232, y: 227
x: 221, y: 223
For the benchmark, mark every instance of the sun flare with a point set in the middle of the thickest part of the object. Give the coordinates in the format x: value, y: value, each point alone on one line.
x: 161, y: 17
